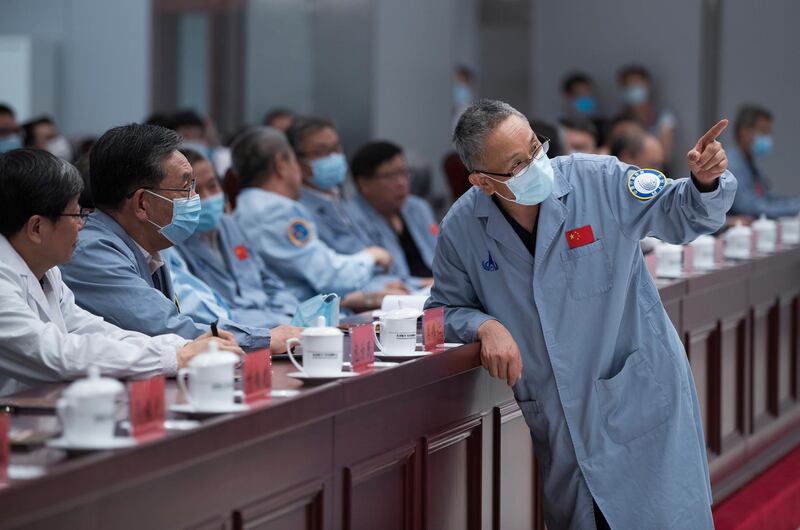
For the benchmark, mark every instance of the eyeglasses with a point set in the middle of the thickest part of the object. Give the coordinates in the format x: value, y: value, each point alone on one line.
x: 394, y: 175
x: 541, y: 150
x: 320, y: 152
x: 82, y: 215
x: 188, y: 191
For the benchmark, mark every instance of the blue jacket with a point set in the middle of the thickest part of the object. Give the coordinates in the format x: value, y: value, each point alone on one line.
x: 254, y: 295
x: 285, y: 236
x: 606, y: 389
x: 110, y: 277
x: 753, y: 196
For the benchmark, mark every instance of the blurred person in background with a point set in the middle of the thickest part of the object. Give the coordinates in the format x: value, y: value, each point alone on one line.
x: 280, y: 118
x: 753, y: 134
x: 640, y: 149
x: 639, y: 102
x: 9, y: 129
x: 581, y: 103
x: 41, y: 133
x: 580, y: 135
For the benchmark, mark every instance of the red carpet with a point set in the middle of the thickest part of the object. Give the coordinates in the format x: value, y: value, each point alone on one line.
x: 771, y: 501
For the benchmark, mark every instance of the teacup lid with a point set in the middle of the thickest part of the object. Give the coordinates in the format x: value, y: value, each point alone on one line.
x: 321, y: 330
x: 214, y: 357
x: 763, y: 224
x: 94, y: 385
x: 401, y: 314
x: 703, y: 241
x: 739, y: 230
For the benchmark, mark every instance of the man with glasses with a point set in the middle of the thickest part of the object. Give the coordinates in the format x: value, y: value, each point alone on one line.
x: 540, y: 262
x: 44, y: 335
x: 393, y: 218
x: 143, y: 189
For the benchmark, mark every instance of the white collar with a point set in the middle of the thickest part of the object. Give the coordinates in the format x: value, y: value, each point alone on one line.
x: 154, y: 261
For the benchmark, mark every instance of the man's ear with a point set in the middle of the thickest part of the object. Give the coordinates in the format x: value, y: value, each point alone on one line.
x: 137, y: 203
x: 476, y: 179
x: 33, y: 229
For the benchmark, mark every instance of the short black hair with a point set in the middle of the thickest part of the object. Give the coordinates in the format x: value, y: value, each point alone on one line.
x: 127, y: 158
x: 579, y: 124
x: 633, y: 69
x: 82, y: 165
x: 367, y: 159
x: 277, y: 112
x: 749, y: 114
x: 186, y: 118
x: 28, y: 128
x: 34, y: 182
x: 192, y: 155
x: 6, y: 109
x: 159, y: 118
x: 303, y: 126
x: 575, y: 78
x: 631, y: 142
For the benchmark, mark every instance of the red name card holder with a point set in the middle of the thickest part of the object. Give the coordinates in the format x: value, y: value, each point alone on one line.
x: 362, y: 348
x: 257, y: 377
x: 147, y: 408
x: 5, y: 448
x: 433, y: 329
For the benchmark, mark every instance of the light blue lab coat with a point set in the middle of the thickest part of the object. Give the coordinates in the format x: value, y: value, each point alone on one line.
x: 419, y: 221
x: 752, y: 201
x: 283, y: 233
x: 254, y: 295
x: 197, y: 300
x: 606, y: 387
x: 110, y: 277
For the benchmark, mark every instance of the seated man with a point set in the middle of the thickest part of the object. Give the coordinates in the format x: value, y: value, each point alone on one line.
x: 44, y: 335
x: 639, y: 148
x: 753, y: 142
x: 393, y: 219
x: 143, y: 189
x: 580, y: 135
x: 282, y: 231
x: 220, y: 256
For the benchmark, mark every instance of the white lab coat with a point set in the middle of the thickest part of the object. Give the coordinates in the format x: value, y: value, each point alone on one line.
x: 45, y: 336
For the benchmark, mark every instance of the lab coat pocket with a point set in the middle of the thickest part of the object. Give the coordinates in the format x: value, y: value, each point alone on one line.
x: 632, y: 402
x: 538, y: 425
x: 587, y: 270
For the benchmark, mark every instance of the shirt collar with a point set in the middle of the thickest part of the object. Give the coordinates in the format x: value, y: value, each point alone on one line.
x: 154, y: 261
x: 11, y: 257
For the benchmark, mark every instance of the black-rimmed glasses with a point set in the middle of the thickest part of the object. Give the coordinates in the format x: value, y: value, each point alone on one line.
x: 82, y: 215
x: 188, y: 191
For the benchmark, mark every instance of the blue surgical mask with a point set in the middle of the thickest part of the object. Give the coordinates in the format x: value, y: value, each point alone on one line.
x: 185, y: 216
x: 585, y: 105
x: 635, y: 94
x: 211, y: 210
x: 762, y: 145
x: 532, y: 185
x: 326, y: 305
x: 10, y: 142
x: 329, y: 171
x: 462, y: 95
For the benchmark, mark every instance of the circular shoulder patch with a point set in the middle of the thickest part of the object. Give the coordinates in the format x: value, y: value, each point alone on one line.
x: 646, y: 183
x: 300, y: 232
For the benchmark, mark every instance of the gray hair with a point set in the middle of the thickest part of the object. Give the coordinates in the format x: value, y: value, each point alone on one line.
x: 253, y: 154
x: 475, y: 124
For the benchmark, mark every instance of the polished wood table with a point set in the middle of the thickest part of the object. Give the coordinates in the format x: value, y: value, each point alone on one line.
x: 432, y: 443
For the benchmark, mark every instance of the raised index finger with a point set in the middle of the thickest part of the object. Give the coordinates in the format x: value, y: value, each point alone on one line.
x: 713, y: 132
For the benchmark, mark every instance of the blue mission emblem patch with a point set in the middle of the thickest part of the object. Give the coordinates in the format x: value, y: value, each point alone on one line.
x: 645, y: 184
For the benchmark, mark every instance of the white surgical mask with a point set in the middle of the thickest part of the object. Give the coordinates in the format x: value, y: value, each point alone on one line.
x: 59, y: 146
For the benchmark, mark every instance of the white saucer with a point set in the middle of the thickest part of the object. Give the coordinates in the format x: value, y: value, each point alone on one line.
x: 376, y: 364
x: 188, y: 408
x: 445, y: 344
x: 322, y: 378
x: 410, y: 355
x: 118, y: 442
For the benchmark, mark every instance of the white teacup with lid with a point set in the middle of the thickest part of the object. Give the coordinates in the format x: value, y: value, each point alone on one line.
x: 738, y: 241
x: 703, y: 249
x: 87, y: 408
x: 766, y: 232
x: 211, y: 379
x: 322, y: 350
x: 398, y: 331
x: 790, y: 230
x: 669, y: 262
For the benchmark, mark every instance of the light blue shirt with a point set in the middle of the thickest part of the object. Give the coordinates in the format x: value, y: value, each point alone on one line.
x: 754, y: 197
x: 285, y: 236
x: 110, y: 277
x: 606, y: 387
x: 195, y: 297
x: 237, y: 274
